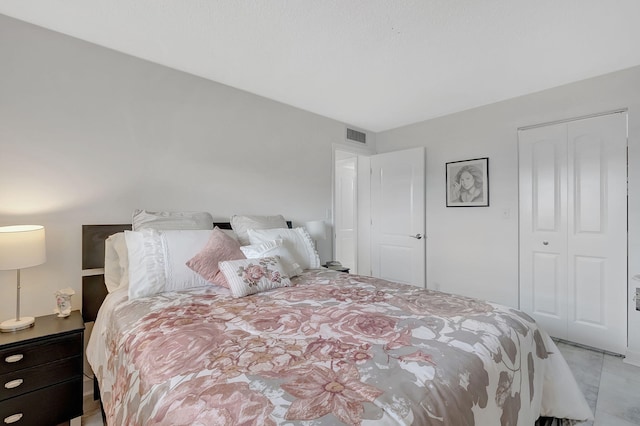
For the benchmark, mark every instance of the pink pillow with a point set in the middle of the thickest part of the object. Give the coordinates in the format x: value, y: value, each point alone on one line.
x: 219, y: 248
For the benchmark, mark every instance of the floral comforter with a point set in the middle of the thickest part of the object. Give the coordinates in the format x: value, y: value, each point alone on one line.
x: 334, y: 348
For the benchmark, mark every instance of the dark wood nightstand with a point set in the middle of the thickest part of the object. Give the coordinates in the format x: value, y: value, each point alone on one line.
x: 41, y: 372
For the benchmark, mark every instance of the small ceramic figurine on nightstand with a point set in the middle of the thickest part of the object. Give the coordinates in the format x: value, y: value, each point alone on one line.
x: 63, y: 300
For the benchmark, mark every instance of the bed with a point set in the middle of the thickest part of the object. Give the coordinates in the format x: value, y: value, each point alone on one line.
x: 329, y: 348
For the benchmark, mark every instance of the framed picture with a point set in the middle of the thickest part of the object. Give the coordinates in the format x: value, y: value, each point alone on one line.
x: 468, y: 183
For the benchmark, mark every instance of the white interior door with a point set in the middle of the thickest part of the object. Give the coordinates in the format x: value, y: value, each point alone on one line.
x: 398, y: 216
x: 346, y: 211
x: 573, y: 236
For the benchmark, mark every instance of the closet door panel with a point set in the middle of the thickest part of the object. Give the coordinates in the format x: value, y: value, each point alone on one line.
x: 547, y: 181
x: 547, y: 288
x: 597, y: 239
x: 590, y: 184
x: 589, y: 309
x: 543, y: 262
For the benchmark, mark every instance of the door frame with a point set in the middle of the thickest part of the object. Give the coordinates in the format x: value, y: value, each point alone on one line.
x: 363, y: 209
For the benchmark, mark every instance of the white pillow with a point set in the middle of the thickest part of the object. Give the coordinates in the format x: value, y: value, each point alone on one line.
x: 297, y: 240
x: 116, y: 262
x: 241, y: 224
x: 157, y: 260
x: 274, y: 248
x: 250, y: 276
x: 143, y: 219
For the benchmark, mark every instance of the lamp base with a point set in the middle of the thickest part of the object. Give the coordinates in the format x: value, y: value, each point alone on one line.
x: 15, y: 325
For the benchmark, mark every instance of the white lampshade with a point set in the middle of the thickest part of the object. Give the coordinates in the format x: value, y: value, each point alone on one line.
x: 316, y: 229
x: 22, y: 246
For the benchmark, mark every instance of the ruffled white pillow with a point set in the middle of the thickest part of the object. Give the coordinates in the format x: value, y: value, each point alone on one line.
x: 274, y: 248
x: 297, y: 240
x: 157, y: 260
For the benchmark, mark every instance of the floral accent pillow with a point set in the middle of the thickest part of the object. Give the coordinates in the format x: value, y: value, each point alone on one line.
x: 220, y: 247
x: 250, y: 276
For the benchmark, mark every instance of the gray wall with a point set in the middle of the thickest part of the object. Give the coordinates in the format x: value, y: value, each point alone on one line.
x: 474, y: 251
x: 88, y: 134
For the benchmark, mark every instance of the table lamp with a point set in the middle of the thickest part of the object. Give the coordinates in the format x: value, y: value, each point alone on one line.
x: 317, y: 230
x: 21, y: 246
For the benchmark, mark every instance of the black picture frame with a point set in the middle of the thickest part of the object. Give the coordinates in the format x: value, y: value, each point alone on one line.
x: 468, y: 183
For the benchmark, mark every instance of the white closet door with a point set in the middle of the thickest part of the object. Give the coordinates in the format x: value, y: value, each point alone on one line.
x: 597, y: 255
x: 543, y: 226
x: 573, y: 235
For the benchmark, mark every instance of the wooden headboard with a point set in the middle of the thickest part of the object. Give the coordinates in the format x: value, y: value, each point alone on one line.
x: 93, y: 288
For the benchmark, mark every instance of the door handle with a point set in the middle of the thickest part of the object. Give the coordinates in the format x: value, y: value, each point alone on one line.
x: 545, y: 243
x: 417, y: 236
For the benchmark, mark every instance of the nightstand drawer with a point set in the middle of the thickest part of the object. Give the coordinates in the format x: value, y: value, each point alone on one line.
x: 25, y: 380
x: 48, y: 406
x: 31, y: 354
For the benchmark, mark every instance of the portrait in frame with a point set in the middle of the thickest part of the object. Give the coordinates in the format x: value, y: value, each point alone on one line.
x: 468, y: 183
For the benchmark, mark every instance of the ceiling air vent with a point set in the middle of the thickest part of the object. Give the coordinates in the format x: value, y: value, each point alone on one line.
x: 356, y: 136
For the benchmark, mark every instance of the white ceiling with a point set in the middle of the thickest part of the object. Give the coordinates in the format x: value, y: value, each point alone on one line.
x: 376, y: 64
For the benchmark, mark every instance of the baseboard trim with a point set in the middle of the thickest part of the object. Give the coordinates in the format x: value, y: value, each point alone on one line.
x: 632, y: 357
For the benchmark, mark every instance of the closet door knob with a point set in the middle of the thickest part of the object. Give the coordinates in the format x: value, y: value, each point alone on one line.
x: 417, y: 236
x: 545, y: 243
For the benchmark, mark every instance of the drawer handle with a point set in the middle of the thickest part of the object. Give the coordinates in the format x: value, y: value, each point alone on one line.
x: 14, y: 358
x: 13, y: 418
x: 13, y: 384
